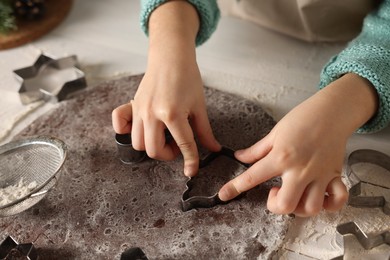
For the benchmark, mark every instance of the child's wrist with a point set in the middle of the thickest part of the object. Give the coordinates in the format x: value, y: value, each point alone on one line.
x: 351, y: 100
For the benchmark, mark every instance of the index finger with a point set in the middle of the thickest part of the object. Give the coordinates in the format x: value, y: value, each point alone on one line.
x: 121, y: 118
x: 258, y: 173
x: 184, y: 137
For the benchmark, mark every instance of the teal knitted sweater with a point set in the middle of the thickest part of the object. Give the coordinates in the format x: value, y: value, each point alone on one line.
x: 368, y: 55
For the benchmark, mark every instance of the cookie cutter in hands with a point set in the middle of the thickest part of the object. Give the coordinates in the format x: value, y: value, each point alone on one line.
x: 10, y: 249
x: 127, y: 154
x: 355, y: 200
x: 191, y: 202
x: 31, y: 92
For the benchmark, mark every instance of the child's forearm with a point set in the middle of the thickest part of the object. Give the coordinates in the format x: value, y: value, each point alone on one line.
x: 173, y: 27
x: 346, y: 104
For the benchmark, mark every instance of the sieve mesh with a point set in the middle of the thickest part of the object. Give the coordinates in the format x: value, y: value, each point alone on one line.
x: 37, y: 160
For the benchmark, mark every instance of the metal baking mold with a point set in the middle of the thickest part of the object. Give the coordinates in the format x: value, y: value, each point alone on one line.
x: 127, y: 154
x: 355, y: 200
x: 10, y: 249
x: 30, y: 92
x: 134, y: 253
x: 367, y: 241
x: 190, y: 202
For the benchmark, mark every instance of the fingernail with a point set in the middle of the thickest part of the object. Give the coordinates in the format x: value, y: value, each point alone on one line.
x: 222, y: 194
x: 188, y: 172
x: 238, y: 152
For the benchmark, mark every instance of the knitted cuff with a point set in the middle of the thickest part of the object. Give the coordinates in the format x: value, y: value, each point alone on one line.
x: 368, y: 57
x: 208, y: 12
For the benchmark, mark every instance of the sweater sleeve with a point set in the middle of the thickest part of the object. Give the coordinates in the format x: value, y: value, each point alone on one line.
x: 207, y: 9
x: 368, y: 56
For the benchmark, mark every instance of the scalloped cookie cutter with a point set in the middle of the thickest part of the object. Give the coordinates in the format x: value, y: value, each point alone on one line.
x: 355, y: 200
x: 191, y: 202
x: 31, y: 91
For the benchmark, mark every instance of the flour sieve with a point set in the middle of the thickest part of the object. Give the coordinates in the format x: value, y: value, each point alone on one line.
x: 34, y: 161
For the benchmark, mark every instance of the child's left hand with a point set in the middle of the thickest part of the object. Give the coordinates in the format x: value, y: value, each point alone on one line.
x: 309, y: 160
x: 307, y: 148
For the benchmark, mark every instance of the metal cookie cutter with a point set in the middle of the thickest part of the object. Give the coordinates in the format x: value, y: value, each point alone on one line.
x: 10, y: 249
x: 134, y: 253
x: 31, y: 91
x: 191, y: 202
x: 367, y: 241
x: 355, y: 200
x: 127, y: 154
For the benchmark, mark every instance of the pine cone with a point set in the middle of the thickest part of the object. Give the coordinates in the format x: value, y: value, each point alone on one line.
x: 29, y: 9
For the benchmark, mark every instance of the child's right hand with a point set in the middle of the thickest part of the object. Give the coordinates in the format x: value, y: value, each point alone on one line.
x: 168, y: 97
x: 171, y: 92
x: 171, y: 96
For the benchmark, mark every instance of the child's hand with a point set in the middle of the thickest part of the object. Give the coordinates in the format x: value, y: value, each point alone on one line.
x: 168, y: 97
x: 173, y: 99
x: 307, y: 155
x: 171, y: 92
x: 307, y: 148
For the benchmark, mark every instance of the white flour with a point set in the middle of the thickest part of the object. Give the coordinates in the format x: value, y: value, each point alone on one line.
x: 15, y: 192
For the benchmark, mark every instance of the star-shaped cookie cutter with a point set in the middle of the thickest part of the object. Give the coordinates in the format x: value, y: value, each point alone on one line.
x: 190, y: 202
x: 367, y: 241
x: 10, y: 249
x: 355, y: 198
x: 31, y: 91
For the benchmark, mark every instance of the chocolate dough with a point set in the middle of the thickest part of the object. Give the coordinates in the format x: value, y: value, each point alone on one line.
x: 101, y: 207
